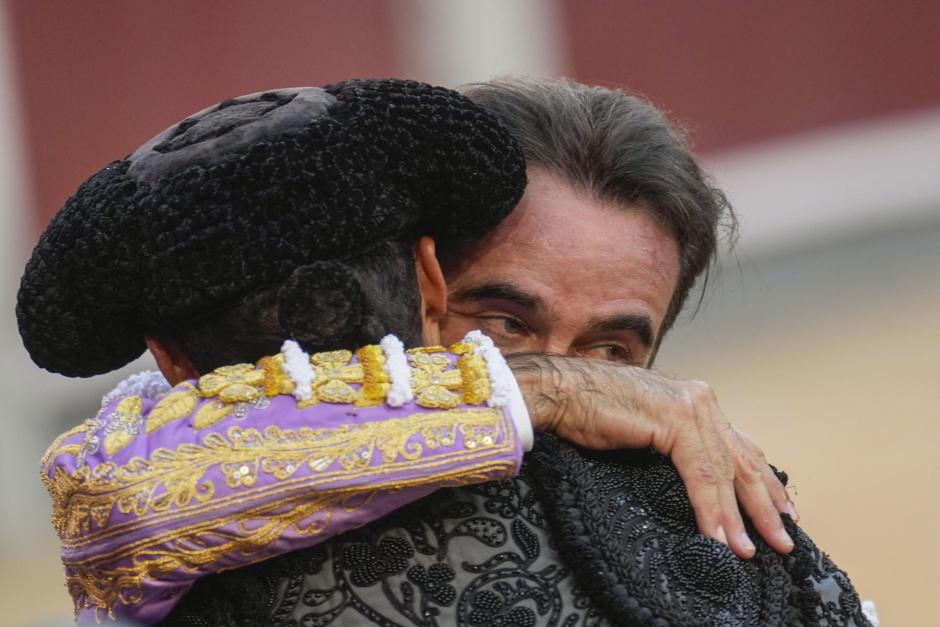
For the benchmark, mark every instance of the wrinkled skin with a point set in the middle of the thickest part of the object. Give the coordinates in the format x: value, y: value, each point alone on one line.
x: 568, y: 274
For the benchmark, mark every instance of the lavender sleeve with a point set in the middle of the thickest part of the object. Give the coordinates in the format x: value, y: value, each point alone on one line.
x: 253, y: 461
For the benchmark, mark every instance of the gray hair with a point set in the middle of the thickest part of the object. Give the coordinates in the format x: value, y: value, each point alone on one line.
x: 620, y: 148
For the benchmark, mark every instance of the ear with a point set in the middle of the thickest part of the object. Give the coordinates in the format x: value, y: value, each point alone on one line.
x: 433, y: 290
x: 171, y: 359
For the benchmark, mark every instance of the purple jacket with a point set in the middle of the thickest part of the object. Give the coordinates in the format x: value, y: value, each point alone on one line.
x: 165, y: 485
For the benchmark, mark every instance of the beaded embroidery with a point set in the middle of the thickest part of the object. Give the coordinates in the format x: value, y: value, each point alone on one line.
x: 124, y: 424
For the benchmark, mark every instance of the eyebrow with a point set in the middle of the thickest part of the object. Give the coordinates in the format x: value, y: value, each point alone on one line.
x: 500, y: 291
x: 639, y: 324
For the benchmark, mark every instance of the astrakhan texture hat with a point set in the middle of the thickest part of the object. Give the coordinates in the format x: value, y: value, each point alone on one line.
x: 238, y: 197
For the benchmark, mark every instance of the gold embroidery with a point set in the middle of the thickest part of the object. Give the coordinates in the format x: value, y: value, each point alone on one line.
x: 426, y: 350
x: 334, y: 374
x: 173, y: 406
x: 246, y: 534
x: 461, y: 348
x: 95, y: 582
x: 233, y: 384
x: 276, y: 380
x: 210, y: 413
x: 424, y: 467
x: 334, y: 377
x: 432, y: 382
x: 177, y: 477
x: 375, y: 379
x: 476, y: 378
x: 124, y: 424
x: 56, y: 448
x: 49, y: 468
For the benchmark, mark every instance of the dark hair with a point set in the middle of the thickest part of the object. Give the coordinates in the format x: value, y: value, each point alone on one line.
x: 306, y: 308
x: 621, y: 148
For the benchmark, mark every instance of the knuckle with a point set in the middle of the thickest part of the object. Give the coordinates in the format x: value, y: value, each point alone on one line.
x: 683, y: 407
x: 753, y: 460
x: 750, y: 475
x: 705, y: 475
x: 702, y: 391
x: 712, y: 509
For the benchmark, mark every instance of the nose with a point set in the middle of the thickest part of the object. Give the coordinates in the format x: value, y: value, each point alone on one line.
x: 557, y: 345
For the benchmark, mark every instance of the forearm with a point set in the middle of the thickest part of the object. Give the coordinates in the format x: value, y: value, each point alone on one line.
x: 606, y: 405
x: 204, y: 488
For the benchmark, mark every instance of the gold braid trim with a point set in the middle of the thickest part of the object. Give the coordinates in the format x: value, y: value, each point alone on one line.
x: 375, y: 380
x: 85, y: 499
x: 196, y: 549
x: 55, y: 449
x: 476, y: 378
x: 428, y: 466
x: 83, y: 502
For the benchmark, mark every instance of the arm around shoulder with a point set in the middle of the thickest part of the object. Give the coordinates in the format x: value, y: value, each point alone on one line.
x: 165, y: 485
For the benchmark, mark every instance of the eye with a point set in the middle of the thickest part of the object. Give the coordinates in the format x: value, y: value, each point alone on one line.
x: 513, y: 325
x: 609, y: 352
x: 504, y: 325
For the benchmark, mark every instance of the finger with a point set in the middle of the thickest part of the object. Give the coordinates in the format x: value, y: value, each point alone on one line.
x: 759, y: 491
x: 695, y: 468
x: 701, y: 459
x: 722, y: 453
x: 778, y: 493
x: 756, y: 501
x: 738, y: 539
x: 718, y: 448
x: 756, y: 458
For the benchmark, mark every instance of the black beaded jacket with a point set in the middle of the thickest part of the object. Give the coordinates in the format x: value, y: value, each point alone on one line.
x: 579, y: 538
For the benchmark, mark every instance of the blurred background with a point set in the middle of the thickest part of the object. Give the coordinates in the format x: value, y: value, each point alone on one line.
x: 821, y: 120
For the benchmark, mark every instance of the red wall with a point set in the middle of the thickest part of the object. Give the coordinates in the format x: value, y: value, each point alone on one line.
x: 98, y: 78
x: 738, y: 71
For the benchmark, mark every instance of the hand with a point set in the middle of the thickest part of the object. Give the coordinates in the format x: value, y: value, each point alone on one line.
x: 602, y: 405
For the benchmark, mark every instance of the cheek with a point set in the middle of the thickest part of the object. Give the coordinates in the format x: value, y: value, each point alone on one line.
x: 455, y: 327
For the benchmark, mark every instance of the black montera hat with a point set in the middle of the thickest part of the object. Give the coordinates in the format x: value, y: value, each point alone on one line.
x: 240, y: 196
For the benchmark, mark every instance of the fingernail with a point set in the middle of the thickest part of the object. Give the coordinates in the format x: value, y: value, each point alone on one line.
x: 722, y: 537
x: 786, y: 540
x: 746, y: 542
x: 791, y: 509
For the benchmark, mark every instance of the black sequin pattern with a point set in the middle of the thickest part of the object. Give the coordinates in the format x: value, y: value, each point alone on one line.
x: 577, y: 540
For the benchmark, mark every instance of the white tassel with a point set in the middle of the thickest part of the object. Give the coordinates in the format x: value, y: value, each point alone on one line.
x: 148, y: 384
x: 298, y: 368
x: 501, y: 377
x: 396, y: 365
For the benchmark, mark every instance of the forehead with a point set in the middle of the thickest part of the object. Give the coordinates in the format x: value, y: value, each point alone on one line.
x: 578, y: 252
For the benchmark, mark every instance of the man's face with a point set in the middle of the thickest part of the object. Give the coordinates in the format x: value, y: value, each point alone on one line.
x: 565, y: 273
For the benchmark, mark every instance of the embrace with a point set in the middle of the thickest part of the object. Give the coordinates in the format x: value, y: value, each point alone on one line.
x: 405, y: 339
